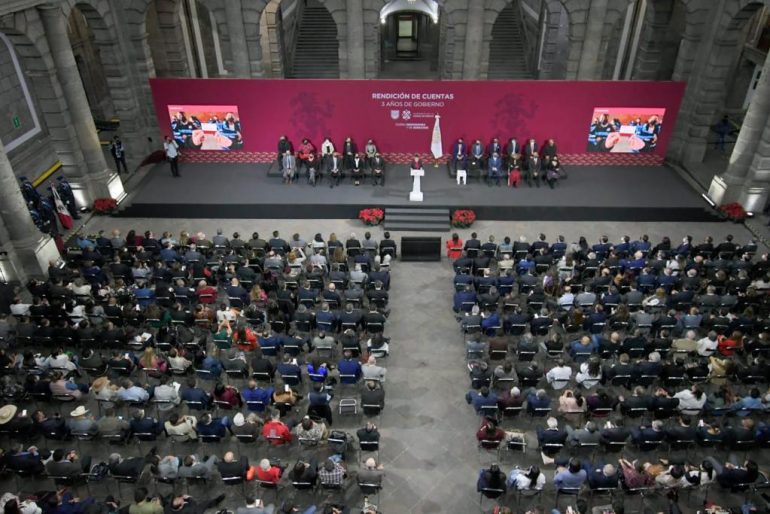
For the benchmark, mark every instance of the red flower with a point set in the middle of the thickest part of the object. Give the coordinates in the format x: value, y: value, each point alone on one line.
x: 734, y: 211
x: 463, y: 218
x: 372, y: 216
x: 105, y: 205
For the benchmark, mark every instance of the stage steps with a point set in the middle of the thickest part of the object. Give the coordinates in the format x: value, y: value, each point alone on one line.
x: 316, y: 49
x: 508, y: 49
x: 416, y: 219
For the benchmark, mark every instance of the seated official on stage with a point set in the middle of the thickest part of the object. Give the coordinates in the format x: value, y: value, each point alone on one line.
x: 334, y: 169
x: 377, y: 165
x: 357, y: 169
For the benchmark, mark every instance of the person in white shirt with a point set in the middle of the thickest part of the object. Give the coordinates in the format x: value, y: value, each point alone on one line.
x: 566, y: 300
x: 171, y: 148
x: 59, y: 360
x: 177, y: 362
x: 531, y: 479
x: 706, y: 346
x: 18, y: 308
x: 691, y: 399
x: 167, y: 394
x: 590, y: 373
x: 559, y: 375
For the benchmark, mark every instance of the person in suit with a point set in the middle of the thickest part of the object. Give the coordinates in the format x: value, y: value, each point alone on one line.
x: 549, y: 151
x: 494, y: 147
x: 67, y: 464
x: 512, y: 148
x: 551, y: 435
x: 349, y: 152
x: 459, y: 153
x: 357, y: 169
x: 495, y: 168
x: 477, y: 156
x: 378, y: 169
x: 416, y: 163
x: 334, y: 169
x: 194, y: 467
x: 605, y: 477
x: 118, y: 152
x: 131, y: 467
x: 288, y: 167
x: 646, y: 438
x: 530, y: 149
x: 230, y: 467
x: 283, y: 146
x: 534, y: 169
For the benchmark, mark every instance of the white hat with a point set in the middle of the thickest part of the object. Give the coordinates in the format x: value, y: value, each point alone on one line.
x: 7, y: 412
x: 80, y: 411
x: 238, y: 420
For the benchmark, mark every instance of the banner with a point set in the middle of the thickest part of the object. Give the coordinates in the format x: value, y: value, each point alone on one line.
x: 436, y: 147
x: 65, y: 218
x: 399, y: 115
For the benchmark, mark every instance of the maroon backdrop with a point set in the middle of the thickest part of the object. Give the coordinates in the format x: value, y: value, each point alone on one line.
x: 398, y: 115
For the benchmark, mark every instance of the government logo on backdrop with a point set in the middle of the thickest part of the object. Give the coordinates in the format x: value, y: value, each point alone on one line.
x: 394, y: 114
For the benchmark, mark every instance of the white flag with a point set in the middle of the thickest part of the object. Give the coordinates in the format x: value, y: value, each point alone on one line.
x: 435, y: 142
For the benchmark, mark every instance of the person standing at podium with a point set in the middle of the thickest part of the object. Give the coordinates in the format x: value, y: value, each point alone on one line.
x: 416, y: 163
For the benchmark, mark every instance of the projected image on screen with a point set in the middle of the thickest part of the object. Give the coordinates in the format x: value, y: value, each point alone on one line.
x: 625, y: 129
x: 206, y: 127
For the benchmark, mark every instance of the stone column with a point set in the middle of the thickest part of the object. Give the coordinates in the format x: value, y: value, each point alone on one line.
x: 754, y: 124
x: 355, y: 28
x: 754, y: 191
x: 589, y: 67
x: 474, y: 40
x: 103, y: 182
x: 32, y: 248
x: 238, y: 48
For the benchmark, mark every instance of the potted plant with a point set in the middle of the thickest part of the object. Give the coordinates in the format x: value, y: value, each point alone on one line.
x: 105, y: 206
x: 463, y: 218
x: 733, y: 211
x: 372, y: 216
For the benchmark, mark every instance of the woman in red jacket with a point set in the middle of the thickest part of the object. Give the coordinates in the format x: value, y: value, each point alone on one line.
x: 454, y: 247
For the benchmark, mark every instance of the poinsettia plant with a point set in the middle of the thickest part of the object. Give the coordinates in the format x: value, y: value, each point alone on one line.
x: 733, y: 211
x: 105, y: 205
x: 371, y: 216
x: 463, y: 218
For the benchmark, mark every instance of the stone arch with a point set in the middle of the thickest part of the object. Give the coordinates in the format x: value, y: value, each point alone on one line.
x: 505, y: 25
x: 659, y: 42
x: 555, y: 48
x: 611, y: 39
x: 165, y: 38
x: 56, y: 139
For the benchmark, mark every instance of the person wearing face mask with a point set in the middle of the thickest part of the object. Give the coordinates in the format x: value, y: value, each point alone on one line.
x: 231, y: 129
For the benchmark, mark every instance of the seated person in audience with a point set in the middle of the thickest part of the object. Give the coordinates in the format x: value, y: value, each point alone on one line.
x: 571, y: 476
x: 181, y: 427
x: 130, y: 467
x: 61, y: 386
x: 492, y: 482
x: 68, y: 464
x: 529, y: 373
x: 168, y: 467
x: 211, y: 426
x: 489, y: 435
x: 178, y: 362
x: 590, y: 373
x: 572, y: 404
x: 110, y: 425
x: 588, y: 435
x: 249, y: 426
x: 673, y: 477
x: 268, y: 472
x: 289, y: 367
x: 230, y: 467
x: 368, y: 434
x: 749, y: 403
x: 284, y: 398
x: 332, y: 473
x: 195, y: 394
x: 484, y: 397
x: 530, y: 479
x: 142, y: 424
x: 309, y: 431
x: 227, y: 394
x: 372, y: 396
x: 235, y: 361
x: 551, y: 438
x: 537, y: 399
x: 635, y: 474
x: 732, y: 474
x: 305, y: 472
x: 81, y: 423
x: 371, y: 371
x: 599, y: 402
x: 681, y: 432
x: 349, y: 369
x: 647, y: 438
x: 605, y: 477
x: 614, y: 433
x: 195, y: 467
x: 129, y: 392
x: 261, y: 364
x: 276, y: 431
x: 740, y: 434
x: 166, y: 394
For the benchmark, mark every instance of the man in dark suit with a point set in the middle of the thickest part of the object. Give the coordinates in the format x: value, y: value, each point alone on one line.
x: 603, y: 478
x: 131, y: 467
x: 283, y: 146
x: 551, y: 435
x: 512, y: 150
x: 647, y: 437
x: 494, y: 147
x: 682, y: 431
x: 378, y: 170
x: 495, y: 169
x: 534, y: 169
x: 334, y: 169
x: 229, y: 467
x: 67, y: 464
x: 459, y: 153
x: 549, y: 151
x: 530, y: 149
x: 349, y: 151
x: 477, y: 155
x: 357, y: 169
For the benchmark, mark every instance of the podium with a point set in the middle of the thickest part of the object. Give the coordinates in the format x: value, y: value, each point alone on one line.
x: 416, y: 194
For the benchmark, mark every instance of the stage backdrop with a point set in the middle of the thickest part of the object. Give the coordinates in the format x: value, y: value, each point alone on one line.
x: 399, y: 115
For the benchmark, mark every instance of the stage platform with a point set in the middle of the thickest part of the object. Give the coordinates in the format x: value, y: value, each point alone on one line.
x: 207, y: 190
